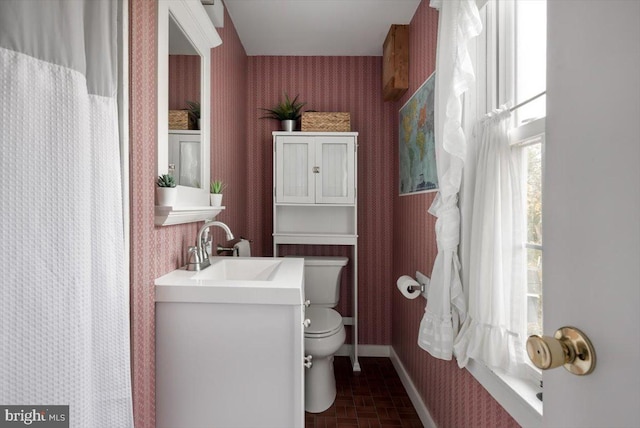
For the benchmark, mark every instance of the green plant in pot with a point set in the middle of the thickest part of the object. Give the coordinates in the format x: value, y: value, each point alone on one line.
x: 288, y: 112
x: 194, y: 111
x: 166, y: 192
x: 216, y: 188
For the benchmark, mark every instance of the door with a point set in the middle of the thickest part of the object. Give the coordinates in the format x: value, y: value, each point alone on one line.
x: 592, y: 208
x: 294, y: 170
x: 335, y: 170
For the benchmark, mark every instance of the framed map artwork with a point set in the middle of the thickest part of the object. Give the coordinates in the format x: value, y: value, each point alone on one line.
x: 418, y: 172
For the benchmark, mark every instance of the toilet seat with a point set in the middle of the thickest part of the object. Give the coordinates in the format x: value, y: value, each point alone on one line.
x: 325, y: 322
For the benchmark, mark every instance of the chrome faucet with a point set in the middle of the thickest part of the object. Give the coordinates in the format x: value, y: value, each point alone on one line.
x: 198, y: 255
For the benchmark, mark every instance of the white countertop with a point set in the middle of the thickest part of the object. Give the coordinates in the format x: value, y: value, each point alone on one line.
x: 242, y: 280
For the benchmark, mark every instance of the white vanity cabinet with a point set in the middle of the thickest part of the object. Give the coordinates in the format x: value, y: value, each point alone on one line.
x: 229, y: 351
x: 315, y: 198
x: 229, y: 365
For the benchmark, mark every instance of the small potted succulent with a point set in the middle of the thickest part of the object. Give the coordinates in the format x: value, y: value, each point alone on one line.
x: 216, y: 188
x: 166, y: 191
x: 287, y: 112
x: 194, y: 111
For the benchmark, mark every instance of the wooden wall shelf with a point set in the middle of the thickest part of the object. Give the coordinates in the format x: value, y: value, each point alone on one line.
x: 395, y: 63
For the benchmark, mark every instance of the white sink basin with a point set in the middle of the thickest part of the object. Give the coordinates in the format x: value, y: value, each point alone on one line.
x: 252, y: 280
x: 235, y: 268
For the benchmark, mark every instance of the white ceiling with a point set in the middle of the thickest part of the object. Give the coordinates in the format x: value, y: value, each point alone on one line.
x: 317, y: 27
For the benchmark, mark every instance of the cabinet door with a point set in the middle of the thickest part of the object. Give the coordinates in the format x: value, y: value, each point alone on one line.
x: 335, y: 162
x: 294, y: 170
x: 184, y: 159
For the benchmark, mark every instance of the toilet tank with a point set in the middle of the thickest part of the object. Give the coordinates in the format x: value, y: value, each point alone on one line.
x: 322, y: 280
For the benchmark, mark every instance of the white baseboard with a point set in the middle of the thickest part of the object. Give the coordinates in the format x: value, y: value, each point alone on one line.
x: 412, y: 391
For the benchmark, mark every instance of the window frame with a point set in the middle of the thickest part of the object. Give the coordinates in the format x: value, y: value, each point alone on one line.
x: 495, y: 66
x: 502, y: 50
x: 520, y: 138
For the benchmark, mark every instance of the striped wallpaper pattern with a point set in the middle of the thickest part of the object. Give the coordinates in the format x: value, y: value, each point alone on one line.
x: 154, y: 250
x: 158, y: 250
x: 229, y: 65
x: 396, y: 233
x: 453, y: 396
x: 184, y: 80
x: 333, y: 84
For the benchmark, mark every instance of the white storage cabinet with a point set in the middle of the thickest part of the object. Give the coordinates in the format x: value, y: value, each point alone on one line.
x: 315, y: 198
x: 315, y: 169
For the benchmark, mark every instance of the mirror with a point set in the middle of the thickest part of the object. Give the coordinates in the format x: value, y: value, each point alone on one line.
x: 184, y: 92
x: 185, y: 38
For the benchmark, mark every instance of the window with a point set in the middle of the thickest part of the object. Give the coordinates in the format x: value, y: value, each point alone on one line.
x: 530, y: 85
x: 524, y: 81
x: 533, y: 161
x: 510, y: 66
x: 530, y: 52
x: 517, y: 38
x: 530, y: 149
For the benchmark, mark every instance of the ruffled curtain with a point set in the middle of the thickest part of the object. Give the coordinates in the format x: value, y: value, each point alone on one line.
x: 493, y: 330
x: 458, y: 23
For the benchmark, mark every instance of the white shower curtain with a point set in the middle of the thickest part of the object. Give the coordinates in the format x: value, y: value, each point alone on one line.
x: 495, y: 325
x: 64, y: 317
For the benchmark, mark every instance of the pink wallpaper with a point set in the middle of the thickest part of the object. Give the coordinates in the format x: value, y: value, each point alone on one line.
x: 454, y: 398
x: 184, y: 80
x: 396, y: 233
x: 350, y: 84
x: 154, y: 250
x: 228, y: 129
x: 158, y: 250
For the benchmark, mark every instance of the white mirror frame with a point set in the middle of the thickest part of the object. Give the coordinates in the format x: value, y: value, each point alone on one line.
x: 192, y: 203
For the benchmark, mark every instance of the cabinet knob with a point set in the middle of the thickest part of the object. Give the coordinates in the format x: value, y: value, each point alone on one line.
x: 569, y: 348
x: 307, y: 303
x: 307, y: 361
x: 306, y: 322
x: 316, y: 169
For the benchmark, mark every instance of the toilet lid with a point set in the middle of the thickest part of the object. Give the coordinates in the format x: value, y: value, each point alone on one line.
x: 324, y: 321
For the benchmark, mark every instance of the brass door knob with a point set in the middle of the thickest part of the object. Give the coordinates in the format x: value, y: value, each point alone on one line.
x: 569, y: 348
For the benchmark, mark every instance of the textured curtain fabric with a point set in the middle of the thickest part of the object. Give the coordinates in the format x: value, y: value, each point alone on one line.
x: 458, y: 23
x: 64, y: 308
x: 493, y: 330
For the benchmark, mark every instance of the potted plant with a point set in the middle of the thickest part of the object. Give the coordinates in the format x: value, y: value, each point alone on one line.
x: 166, y: 191
x: 194, y: 111
x: 216, y: 188
x: 287, y: 112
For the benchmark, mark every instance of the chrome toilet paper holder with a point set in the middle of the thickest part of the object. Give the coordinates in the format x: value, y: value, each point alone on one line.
x: 423, y: 280
x: 423, y: 283
x: 420, y: 287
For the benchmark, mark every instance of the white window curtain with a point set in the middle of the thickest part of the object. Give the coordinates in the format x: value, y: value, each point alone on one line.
x: 64, y: 297
x: 458, y: 23
x: 494, y: 327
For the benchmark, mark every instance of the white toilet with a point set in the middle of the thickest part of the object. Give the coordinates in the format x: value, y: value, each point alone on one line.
x: 325, y: 335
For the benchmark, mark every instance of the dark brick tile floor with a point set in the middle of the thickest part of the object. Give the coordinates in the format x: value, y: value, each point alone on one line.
x: 371, y: 398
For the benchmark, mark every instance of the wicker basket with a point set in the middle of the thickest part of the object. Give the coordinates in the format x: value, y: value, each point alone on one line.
x: 179, y: 119
x: 326, y: 122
